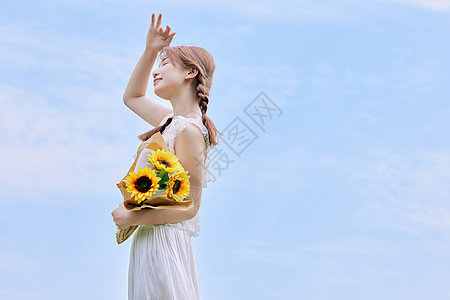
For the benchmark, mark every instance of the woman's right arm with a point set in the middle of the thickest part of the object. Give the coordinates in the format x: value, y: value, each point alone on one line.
x: 134, y: 95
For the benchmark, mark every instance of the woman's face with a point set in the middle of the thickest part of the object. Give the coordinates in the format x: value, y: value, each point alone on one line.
x: 169, y: 79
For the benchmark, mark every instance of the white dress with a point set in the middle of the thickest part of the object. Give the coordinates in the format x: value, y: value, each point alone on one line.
x: 162, y: 263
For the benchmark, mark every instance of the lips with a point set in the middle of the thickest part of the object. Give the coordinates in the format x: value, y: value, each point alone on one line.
x: 157, y: 79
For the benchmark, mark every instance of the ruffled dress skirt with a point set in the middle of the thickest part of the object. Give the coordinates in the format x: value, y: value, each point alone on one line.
x: 162, y: 262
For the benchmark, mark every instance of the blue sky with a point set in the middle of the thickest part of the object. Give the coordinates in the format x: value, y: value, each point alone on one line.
x: 342, y: 195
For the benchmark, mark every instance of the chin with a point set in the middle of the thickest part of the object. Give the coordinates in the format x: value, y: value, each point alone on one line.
x: 165, y: 91
x: 161, y: 93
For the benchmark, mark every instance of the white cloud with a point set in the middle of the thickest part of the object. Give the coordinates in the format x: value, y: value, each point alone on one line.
x: 22, y: 295
x: 14, y: 263
x: 435, y: 5
x: 304, y: 11
x: 355, y: 246
x: 295, y: 11
x: 53, y: 57
x: 47, y: 148
x: 299, y: 252
x: 406, y: 192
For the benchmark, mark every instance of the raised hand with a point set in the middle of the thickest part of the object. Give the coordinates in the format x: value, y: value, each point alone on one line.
x: 157, y: 38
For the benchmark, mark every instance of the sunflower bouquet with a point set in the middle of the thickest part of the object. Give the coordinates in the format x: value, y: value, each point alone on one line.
x: 156, y: 180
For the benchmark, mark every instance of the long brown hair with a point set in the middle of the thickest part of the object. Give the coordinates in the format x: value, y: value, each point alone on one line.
x: 200, y: 59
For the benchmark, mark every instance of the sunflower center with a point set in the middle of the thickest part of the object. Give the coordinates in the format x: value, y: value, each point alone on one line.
x: 165, y: 162
x: 176, y: 186
x: 143, y: 184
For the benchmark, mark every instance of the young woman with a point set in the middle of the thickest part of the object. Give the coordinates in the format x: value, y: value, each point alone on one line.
x: 162, y: 263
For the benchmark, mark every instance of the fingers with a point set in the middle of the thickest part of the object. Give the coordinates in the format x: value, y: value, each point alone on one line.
x: 153, y: 20
x: 167, y: 29
x: 170, y: 37
x: 158, y: 23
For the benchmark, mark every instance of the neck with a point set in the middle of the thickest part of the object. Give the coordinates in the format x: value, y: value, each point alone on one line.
x: 185, y: 103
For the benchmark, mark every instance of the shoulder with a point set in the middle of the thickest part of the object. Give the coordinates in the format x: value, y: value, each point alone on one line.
x: 191, y: 136
x: 192, y: 129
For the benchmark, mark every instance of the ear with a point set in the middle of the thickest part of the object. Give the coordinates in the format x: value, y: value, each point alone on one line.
x: 191, y: 73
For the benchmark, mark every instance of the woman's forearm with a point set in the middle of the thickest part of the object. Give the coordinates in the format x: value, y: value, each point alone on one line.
x: 163, y: 216
x: 137, y: 85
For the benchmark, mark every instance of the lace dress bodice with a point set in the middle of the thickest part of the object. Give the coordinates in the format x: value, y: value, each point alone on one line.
x: 176, y: 126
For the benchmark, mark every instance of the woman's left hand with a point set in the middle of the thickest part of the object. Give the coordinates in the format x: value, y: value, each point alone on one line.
x: 122, y: 217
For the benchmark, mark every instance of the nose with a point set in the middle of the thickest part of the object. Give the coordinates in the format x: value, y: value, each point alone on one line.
x: 155, y: 74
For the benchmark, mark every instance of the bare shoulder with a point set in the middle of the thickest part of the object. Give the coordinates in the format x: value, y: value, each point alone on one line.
x: 191, y: 136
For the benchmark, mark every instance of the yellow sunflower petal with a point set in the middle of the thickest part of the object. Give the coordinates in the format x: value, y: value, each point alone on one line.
x: 164, y: 159
x: 179, y: 186
x: 143, y: 184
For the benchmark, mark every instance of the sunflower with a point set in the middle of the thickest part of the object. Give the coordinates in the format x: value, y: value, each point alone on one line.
x: 179, y: 185
x: 142, y: 184
x: 164, y: 159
